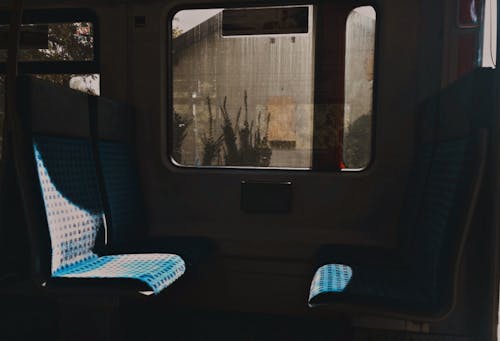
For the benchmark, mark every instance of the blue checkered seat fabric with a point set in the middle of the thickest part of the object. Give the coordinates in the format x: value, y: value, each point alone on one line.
x: 388, y: 286
x: 69, y: 186
x: 423, y: 284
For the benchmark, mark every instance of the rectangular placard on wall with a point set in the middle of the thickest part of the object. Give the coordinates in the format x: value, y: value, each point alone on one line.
x: 266, y: 197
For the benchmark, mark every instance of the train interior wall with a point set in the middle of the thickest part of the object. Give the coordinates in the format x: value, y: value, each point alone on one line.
x: 257, y: 283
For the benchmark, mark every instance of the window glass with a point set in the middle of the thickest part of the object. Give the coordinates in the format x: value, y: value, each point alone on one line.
x: 243, y: 87
x: 489, y: 58
x: 243, y: 97
x: 62, y: 42
x: 359, y: 71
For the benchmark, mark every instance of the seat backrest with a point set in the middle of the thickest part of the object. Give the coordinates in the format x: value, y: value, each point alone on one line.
x: 456, y: 120
x: 68, y: 182
x: 414, y: 197
x: 65, y: 191
x: 448, y: 203
x: 126, y: 219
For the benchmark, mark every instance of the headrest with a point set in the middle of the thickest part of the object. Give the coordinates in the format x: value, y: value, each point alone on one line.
x: 459, y: 109
x: 51, y: 109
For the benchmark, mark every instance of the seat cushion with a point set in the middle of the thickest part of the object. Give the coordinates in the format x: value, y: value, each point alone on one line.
x: 158, y: 271
x: 398, y: 288
x: 330, y: 278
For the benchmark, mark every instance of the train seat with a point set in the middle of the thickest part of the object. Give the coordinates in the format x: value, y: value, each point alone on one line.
x: 82, y: 192
x: 126, y: 219
x: 70, y: 192
x: 440, y: 202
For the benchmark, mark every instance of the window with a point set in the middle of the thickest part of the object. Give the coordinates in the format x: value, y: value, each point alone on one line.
x: 72, y: 41
x: 246, y: 88
x: 56, y: 45
x: 489, y: 41
x: 359, y: 70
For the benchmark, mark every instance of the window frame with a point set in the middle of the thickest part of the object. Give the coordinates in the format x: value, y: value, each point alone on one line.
x: 316, y: 166
x: 48, y: 16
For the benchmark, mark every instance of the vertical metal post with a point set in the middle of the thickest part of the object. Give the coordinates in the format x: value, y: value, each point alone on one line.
x: 6, y: 159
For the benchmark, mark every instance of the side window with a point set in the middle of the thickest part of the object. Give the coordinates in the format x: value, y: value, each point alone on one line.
x: 244, y: 88
x: 57, y: 45
x: 55, y: 41
x: 359, y: 72
x: 489, y: 39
